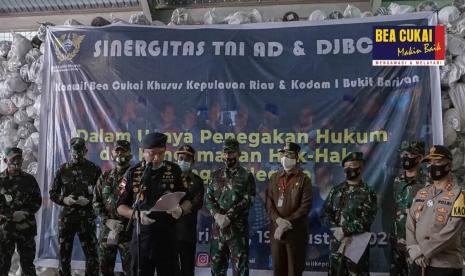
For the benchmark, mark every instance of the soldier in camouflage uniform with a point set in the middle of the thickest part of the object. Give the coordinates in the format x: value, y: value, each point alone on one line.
x: 73, y: 188
x: 20, y: 199
x: 406, y: 186
x: 349, y: 210
x: 147, y: 182
x: 113, y: 235
x: 186, y: 226
x: 230, y: 195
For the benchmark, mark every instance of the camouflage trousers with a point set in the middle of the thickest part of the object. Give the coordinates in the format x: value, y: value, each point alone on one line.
x: 221, y: 249
x: 399, y: 264
x: 85, y: 228
x: 26, y: 246
x: 107, y: 253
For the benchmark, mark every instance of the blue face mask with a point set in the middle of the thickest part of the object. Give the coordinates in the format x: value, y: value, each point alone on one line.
x: 184, y: 165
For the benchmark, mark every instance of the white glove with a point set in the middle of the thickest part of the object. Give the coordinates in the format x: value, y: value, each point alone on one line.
x: 222, y: 220
x: 19, y: 216
x: 422, y: 261
x: 284, y: 223
x: 175, y: 212
x: 338, y: 233
x: 114, y: 225
x: 69, y: 200
x: 82, y: 201
x: 414, y: 252
x: 278, y: 233
x: 144, y: 219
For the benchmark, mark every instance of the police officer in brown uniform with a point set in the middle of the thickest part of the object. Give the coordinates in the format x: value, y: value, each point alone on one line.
x: 435, y: 223
x: 288, y: 201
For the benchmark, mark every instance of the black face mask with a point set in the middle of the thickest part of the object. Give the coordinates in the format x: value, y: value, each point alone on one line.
x: 231, y: 162
x: 77, y: 155
x: 409, y: 163
x: 15, y: 165
x: 437, y: 172
x: 122, y: 159
x: 352, y: 173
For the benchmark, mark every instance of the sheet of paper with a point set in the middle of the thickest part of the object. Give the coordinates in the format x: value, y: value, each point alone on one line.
x: 355, y: 248
x: 168, y: 202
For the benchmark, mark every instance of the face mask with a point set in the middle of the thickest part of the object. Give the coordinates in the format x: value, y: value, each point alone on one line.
x: 184, y: 165
x: 352, y: 173
x: 77, y: 155
x: 15, y: 165
x: 437, y: 172
x: 408, y: 163
x: 231, y: 162
x: 288, y: 163
x: 122, y: 159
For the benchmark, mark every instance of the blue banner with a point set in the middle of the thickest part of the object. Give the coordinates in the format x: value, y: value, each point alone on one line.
x: 264, y: 84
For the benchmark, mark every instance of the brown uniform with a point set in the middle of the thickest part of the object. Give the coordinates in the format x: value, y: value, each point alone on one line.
x: 288, y: 254
x: 432, y: 226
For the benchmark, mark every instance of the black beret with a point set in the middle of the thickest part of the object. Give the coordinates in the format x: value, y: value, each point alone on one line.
x: 353, y: 156
x: 292, y: 147
x: 122, y: 144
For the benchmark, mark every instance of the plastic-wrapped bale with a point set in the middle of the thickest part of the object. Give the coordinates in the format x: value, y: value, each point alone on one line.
x: 5, y: 47
x: 33, y: 55
x: 32, y: 92
x: 37, y: 124
x: 448, y: 14
x: 457, y: 96
x: 452, y: 119
x: 352, y: 12
x: 400, y: 9
x: 366, y: 14
x: 25, y: 130
x: 290, y: 16
x: 239, y: 17
x: 459, y: 4
x: 5, y: 93
x: 458, y: 158
x: 212, y: 17
x: 457, y: 27
x: 450, y: 73
x: 7, y: 107
x: 32, y: 142
x: 450, y: 135
x: 446, y: 102
x: 317, y: 15
x: 42, y: 48
x: 35, y: 71
x: 32, y: 112
x: 8, y: 138
x: 335, y: 15
x: 255, y: 16
x: 24, y: 73
x: 15, y: 83
x: 139, y: 19
x: 28, y: 157
x: 99, y: 22
x: 455, y: 44
x: 42, y: 31
x: 427, y: 6
x: 21, y: 116
x: 19, y: 47
x: 8, y: 122
x: 72, y: 22
x: 21, y: 100
x: 32, y: 168
x: 181, y: 17
x: 382, y: 11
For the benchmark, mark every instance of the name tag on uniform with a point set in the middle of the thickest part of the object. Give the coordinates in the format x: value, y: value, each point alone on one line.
x: 458, y: 209
x: 280, y: 201
x: 8, y: 198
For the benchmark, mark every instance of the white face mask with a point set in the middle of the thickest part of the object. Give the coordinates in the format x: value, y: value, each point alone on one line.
x: 288, y: 163
x: 184, y: 165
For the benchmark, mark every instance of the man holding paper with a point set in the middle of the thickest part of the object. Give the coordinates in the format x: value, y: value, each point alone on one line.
x: 144, y: 184
x: 288, y: 201
x: 230, y: 195
x: 436, y: 219
x: 350, y: 210
x: 186, y: 226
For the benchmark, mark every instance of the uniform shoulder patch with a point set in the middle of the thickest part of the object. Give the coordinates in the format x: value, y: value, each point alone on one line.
x: 458, y: 209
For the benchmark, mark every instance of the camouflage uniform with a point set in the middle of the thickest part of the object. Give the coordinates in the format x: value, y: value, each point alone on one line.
x: 353, y: 208
x: 76, y: 180
x: 230, y: 192
x: 18, y: 193
x: 105, y: 199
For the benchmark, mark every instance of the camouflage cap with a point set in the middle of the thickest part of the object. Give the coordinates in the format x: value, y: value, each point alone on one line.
x: 231, y: 144
x: 438, y: 152
x: 353, y: 156
x: 416, y: 147
x: 77, y: 143
x: 292, y: 147
x: 122, y: 144
x: 186, y: 149
x: 11, y: 152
